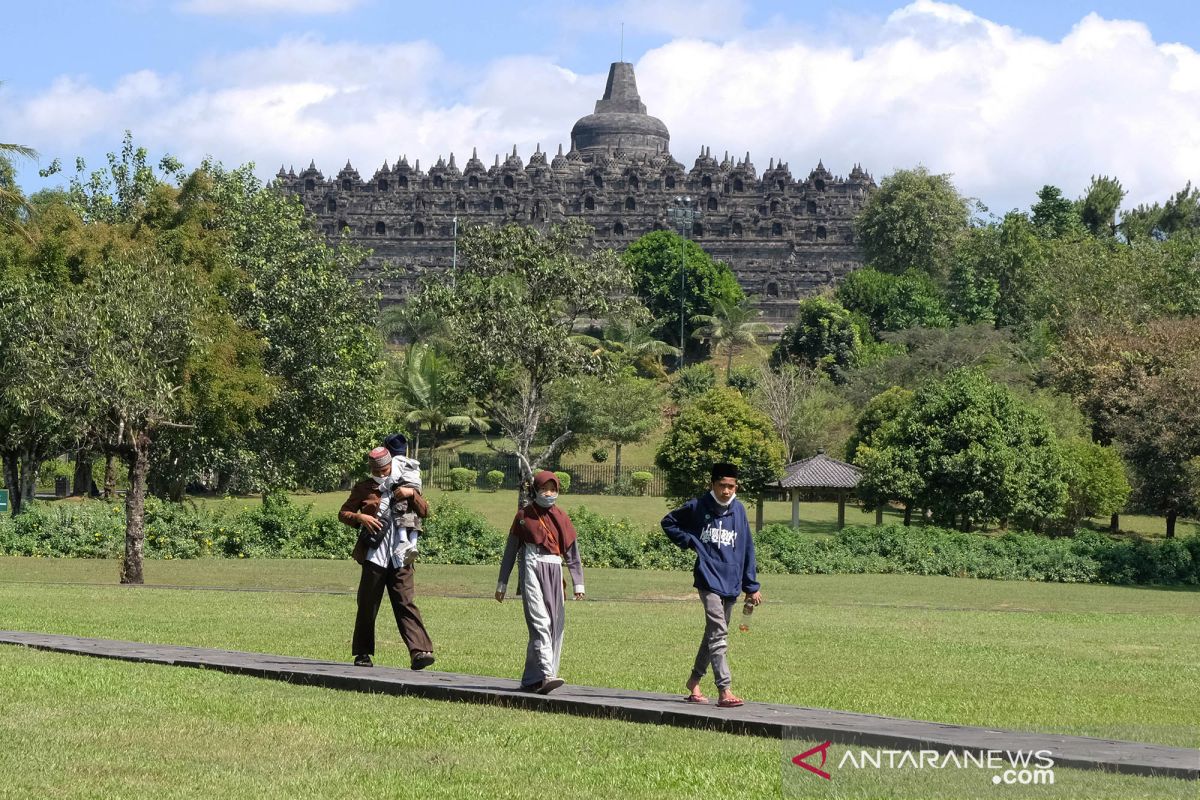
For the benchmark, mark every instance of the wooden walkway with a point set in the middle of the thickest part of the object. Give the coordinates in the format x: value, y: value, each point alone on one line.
x: 761, y: 719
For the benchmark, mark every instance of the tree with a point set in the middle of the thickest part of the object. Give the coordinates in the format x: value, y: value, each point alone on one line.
x: 318, y: 322
x: 719, y: 427
x: 1096, y: 482
x: 1141, y: 389
x: 429, y: 387
x: 36, y: 404
x: 1098, y: 206
x: 912, y: 222
x: 1180, y: 214
x: 822, y: 336
x: 730, y: 326
x: 145, y: 331
x: 894, y: 302
x: 888, y: 405
x: 978, y: 453
x: 994, y: 268
x: 655, y: 260
x: 622, y: 409
x: 511, y: 306
x: 807, y: 414
x: 632, y: 345
x: 1053, y: 215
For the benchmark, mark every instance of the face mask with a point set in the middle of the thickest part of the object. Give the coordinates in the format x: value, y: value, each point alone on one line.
x: 545, y: 500
x: 380, y: 480
x: 718, y: 501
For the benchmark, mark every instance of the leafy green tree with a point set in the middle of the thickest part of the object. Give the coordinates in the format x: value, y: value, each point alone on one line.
x: 1098, y: 206
x: 822, y: 336
x: 318, y: 322
x: 1054, y: 216
x: 719, y: 427
x: 1141, y: 389
x: 622, y: 409
x: 655, y: 260
x: 912, y: 222
x: 1096, y: 482
x: 731, y: 327
x: 511, y: 307
x: 888, y: 405
x: 980, y: 454
x: 1180, y: 214
x: 692, y: 382
x: 993, y: 270
x: 894, y: 302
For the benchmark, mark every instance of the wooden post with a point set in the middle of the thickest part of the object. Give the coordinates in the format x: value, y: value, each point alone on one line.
x: 758, y: 515
x: 795, y: 508
x: 841, y: 510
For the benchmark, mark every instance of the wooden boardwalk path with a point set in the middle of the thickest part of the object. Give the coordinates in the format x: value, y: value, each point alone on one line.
x: 762, y: 719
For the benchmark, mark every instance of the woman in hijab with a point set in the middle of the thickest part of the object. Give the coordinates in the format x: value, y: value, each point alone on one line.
x: 541, y: 537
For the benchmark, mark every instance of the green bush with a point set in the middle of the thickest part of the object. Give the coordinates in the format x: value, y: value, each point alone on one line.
x: 599, y: 455
x: 743, y: 378
x: 564, y: 482
x: 619, y: 543
x: 463, y: 479
x: 641, y: 482
x: 454, y: 535
x: 691, y: 382
x: 495, y: 479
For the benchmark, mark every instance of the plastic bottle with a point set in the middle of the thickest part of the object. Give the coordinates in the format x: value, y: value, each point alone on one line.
x: 747, y: 610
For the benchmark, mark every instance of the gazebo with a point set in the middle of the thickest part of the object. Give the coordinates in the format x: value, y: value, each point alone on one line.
x: 819, y: 472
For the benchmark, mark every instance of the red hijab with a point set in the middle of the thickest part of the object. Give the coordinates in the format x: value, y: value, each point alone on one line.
x: 544, y: 526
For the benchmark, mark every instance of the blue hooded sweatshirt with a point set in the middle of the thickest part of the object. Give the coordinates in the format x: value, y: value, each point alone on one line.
x: 721, y: 539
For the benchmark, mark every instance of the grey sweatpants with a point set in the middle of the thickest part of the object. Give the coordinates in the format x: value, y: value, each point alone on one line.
x: 714, y: 643
x: 542, y: 595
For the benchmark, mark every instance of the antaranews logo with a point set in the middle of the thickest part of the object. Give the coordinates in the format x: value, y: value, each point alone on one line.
x: 1009, y: 767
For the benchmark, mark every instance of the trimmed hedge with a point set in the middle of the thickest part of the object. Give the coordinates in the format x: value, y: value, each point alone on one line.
x: 278, y: 528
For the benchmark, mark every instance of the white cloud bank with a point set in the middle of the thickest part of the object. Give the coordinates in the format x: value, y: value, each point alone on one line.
x: 1003, y: 111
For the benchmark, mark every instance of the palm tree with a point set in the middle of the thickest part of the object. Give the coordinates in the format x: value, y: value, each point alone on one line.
x: 730, y: 326
x: 427, y: 387
x: 11, y: 197
x: 632, y: 344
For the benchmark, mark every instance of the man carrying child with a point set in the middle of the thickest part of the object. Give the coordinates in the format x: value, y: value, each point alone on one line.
x: 386, y: 508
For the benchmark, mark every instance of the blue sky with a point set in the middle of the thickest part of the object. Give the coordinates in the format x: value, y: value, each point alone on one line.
x: 1005, y: 95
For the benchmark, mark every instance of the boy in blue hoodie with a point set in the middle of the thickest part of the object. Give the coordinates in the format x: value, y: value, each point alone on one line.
x: 716, y: 527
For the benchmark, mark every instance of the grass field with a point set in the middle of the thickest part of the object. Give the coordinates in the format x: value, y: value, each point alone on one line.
x: 1090, y: 660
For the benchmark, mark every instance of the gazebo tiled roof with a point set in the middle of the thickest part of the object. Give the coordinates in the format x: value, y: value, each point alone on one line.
x: 820, y: 472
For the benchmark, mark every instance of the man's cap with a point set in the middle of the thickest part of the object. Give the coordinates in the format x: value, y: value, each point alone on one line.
x: 724, y: 470
x: 379, y: 457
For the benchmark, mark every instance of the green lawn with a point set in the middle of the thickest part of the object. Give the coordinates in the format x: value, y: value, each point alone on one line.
x: 1090, y: 660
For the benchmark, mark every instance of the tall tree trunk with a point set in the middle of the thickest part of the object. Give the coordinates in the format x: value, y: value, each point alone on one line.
x: 28, y: 478
x: 110, y: 477
x: 135, y: 509
x: 907, y: 514
x: 617, y: 463
x: 1114, y: 523
x: 81, y: 484
x: 729, y: 365
x: 1171, y: 516
x: 12, y: 482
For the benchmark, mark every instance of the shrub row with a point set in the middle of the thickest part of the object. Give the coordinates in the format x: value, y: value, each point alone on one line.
x: 278, y: 528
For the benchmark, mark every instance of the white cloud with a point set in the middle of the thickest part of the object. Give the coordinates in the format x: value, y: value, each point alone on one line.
x: 1004, y: 111
x: 244, y: 7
